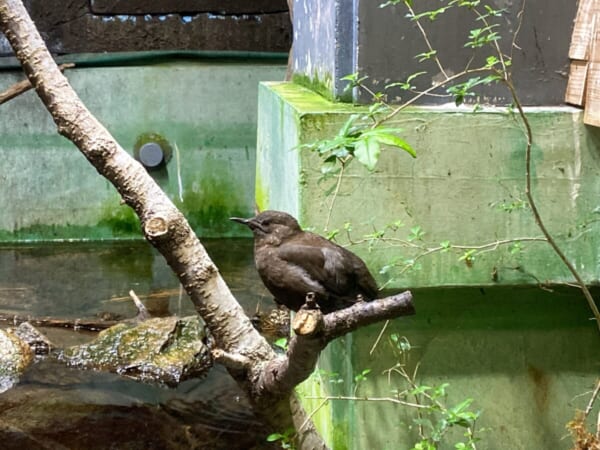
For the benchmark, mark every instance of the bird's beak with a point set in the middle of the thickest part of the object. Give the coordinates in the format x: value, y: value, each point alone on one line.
x: 239, y: 220
x: 250, y: 223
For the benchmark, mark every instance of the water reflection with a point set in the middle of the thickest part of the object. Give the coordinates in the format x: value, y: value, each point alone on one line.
x: 57, y: 407
x: 75, y: 280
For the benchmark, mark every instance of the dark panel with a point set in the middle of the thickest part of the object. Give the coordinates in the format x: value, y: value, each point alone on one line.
x: 70, y: 27
x: 388, y: 43
x: 187, y: 6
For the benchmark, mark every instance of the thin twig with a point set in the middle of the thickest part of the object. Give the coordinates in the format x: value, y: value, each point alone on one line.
x: 435, y: 86
x: 366, y: 399
x: 143, y: 313
x: 538, y: 219
x: 590, y: 405
x: 23, y: 86
x: 335, y: 194
x: 312, y: 413
x: 385, y: 325
x: 520, y: 15
x: 426, y: 39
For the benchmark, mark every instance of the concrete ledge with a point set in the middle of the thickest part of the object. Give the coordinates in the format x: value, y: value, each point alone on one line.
x: 466, y: 187
x: 524, y: 355
x: 207, y: 113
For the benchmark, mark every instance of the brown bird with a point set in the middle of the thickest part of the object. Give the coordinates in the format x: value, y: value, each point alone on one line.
x: 292, y: 263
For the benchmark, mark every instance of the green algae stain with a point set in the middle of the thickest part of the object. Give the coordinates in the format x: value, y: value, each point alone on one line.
x: 47, y: 233
x: 210, y: 202
x: 322, y: 85
x: 305, y: 100
x: 313, y: 83
x: 120, y: 221
x: 262, y: 195
x: 340, y: 436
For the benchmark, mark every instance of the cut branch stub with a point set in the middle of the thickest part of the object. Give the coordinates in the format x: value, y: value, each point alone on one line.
x: 230, y: 360
x: 314, y: 330
x: 156, y: 226
x: 308, y: 322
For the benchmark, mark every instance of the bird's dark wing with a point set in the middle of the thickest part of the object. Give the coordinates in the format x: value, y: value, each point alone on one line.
x: 366, y: 282
x: 325, y: 264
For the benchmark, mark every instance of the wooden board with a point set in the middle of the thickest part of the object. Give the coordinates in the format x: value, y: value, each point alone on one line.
x: 575, y: 94
x: 583, y: 30
x: 592, y: 98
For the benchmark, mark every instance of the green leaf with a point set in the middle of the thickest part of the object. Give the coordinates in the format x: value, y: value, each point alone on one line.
x: 420, y: 389
x: 431, y: 15
x: 345, y: 130
x: 366, y: 151
x: 424, y: 445
x: 332, y: 234
x: 405, y: 85
x: 416, y: 233
x: 275, y: 437
x: 281, y: 343
x: 353, y: 80
x: 395, y: 141
x: 426, y: 55
x: 329, y: 165
x: 440, y: 391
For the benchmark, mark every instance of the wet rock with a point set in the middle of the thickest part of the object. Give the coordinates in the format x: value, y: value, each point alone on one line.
x: 165, y: 350
x: 15, y: 356
x: 273, y: 324
x: 39, y: 343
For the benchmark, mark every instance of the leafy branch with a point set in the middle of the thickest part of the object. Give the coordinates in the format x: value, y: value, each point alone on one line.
x: 497, y: 69
x: 534, y: 209
x: 434, y: 416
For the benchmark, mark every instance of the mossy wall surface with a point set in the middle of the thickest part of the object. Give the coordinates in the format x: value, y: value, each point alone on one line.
x: 466, y: 188
x: 483, y: 325
x: 207, y: 113
x: 523, y: 355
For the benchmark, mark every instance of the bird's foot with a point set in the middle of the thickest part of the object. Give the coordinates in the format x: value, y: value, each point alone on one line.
x: 310, y: 301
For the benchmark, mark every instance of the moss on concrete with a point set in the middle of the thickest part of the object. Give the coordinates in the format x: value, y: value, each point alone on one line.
x: 210, y: 201
x: 304, y: 100
x: 535, y: 347
x: 261, y: 194
x: 321, y: 87
x: 468, y: 172
x: 207, y: 116
x: 120, y: 221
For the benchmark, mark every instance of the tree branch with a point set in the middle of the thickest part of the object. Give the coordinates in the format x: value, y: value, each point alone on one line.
x: 23, y: 86
x: 165, y: 227
x: 313, y: 331
x: 162, y: 223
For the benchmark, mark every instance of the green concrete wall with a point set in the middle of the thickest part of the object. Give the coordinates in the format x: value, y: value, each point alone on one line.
x: 207, y: 111
x: 466, y: 187
x: 524, y: 354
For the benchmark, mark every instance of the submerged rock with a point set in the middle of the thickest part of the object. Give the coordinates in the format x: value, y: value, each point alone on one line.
x: 39, y: 343
x: 15, y: 356
x: 166, y: 350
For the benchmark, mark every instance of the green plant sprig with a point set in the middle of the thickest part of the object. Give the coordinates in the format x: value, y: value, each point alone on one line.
x: 434, y: 418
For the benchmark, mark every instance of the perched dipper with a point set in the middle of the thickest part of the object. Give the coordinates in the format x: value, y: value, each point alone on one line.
x: 292, y: 263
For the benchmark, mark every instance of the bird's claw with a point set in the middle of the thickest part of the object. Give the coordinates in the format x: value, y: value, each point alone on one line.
x: 310, y: 301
